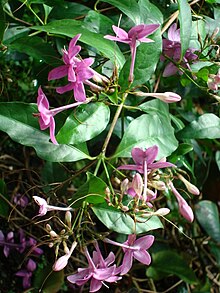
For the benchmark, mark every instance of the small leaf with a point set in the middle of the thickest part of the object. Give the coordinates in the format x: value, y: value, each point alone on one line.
x: 70, y: 27
x: 16, y: 119
x: 85, y: 123
x: 185, y: 25
x: 93, y: 191
x: 121, y: 222
x: 206, y: 126
x: 170, y: 262
x: 208, y: 217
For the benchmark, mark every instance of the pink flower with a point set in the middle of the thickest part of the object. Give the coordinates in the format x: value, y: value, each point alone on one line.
x: 214, y: 81
x: 167, y: 97
x: 172, y: 49
x: 134, y: 249
x: 184, y: 209
x: 44, y: 207
x: 135, y: 35
x: 99, y: 270
x: 26, y: 274
x: 46, y: 116
x: 62, y: 262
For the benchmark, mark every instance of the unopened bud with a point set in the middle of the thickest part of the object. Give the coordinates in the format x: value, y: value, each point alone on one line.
x: 51, y: 244
x: 167, y: 97
x: 48, y: 228
x: 190, y: 187
x: 162, y: 212
x: 53, y: 234
x: 68, y: 218
x: 159, y: 185
x: 124, y: 185
x: 125, y: 208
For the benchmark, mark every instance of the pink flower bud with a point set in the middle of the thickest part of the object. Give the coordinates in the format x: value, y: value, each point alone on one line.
x: 62, y: 262
x: 167, y: 97
x: 190, y: 187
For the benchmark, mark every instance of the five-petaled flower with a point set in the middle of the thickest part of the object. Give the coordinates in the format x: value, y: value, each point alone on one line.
x: 172, y: 49
x: 135, y: 35
x: 134, y: 249
x: 46, y: 116
x: 99, y: 270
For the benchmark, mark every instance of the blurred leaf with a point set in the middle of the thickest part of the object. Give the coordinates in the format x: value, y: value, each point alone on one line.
x: 199, y: 65
x: 183, y: 149
x: 85, y: 123
x: 185, y: 25
x: 203, y: 74
x: 149, y: 12
x: 36, y: 48
x: 206, y: 126
x: 16, y: 119
x: 149, y: 129
x: 2, y: 22
x: 15, y: 32
x: 121, y: 222
x: 144, y: 67
x: 208, y: 217
x: 4, y: 207
x: 217, y: 159
x: 98, y: 23
x: 170, y: 262
x: 70, y: 27
x: 68, y: 10
x: 94, y: 188
x: 215, y: 250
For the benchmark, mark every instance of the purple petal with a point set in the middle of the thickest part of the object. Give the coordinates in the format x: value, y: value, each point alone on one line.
x: 131, y: 167
x: 58, y: 72
x: 42, y: 102
x: 31, y: 265
x: 138, y: 155
x: 2, y: 236
x: 127, y: 262
x: 142, y: 30
x: 174, y: 33
x: 79, y: 92
x: 65, y: 88
x: 151, y: 154
x: 160, y: 165
x: 120, y: 33
x: 95, y: 285
x: 71, y: 74
x: 52, y: 131
x: 73, y: 42
x: 81, y: 277
x: 142, y: 256
x: 110, y: 259
x: 170, y: 69
x: 144, y: 242
x: 102, y: 274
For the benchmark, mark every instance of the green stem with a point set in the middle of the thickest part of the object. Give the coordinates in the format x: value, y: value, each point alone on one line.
x: 97, y: 167
x: 35, y: 14
x: 108, y: 177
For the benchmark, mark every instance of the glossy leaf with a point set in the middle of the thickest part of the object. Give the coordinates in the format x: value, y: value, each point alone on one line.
x: 16, y: 119
x: 149, y: 12
x: 147, y: 57
x: 98, y: 23
x: 85, y: 123
x: 121, y: 222
x: 206, y: 126
x: 68, y: 10
x: 170, y: 262
x: 36, y: 48
x: 207, y: 214
x: 185, y: 25
x: 70, y: 27
x: 93, y: 191
x: 145, y: 131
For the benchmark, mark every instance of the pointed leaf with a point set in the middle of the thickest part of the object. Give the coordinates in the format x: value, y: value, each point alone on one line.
x: 85, y: 123
x: 16, y: 119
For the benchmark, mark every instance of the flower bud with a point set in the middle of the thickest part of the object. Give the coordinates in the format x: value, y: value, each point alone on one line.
x: 124, y: 185
x: 190, y: 187
x: 162, y: 212
x: 53, y: 234
x: 167, y: 97
x: 68, y: 218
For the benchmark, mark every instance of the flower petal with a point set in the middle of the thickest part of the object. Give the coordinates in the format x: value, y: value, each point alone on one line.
x: 142, y: 256
x: 58, y: 72
x: 127, y: 262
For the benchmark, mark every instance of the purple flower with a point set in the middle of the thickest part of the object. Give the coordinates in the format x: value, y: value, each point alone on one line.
x: 46, y: 116
x: 134, y: 249
x: 184, y: 209
x: 62, y: 262
x: 135, y: 35
x: 172, y: 49
x: 44, y: 207
x: 214, y: 82
x: 26, y: 274
x: 20, y: 200
x: 99, y: 270
x: 7, y: 242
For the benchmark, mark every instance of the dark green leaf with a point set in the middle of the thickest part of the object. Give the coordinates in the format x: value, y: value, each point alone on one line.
x: 207, y: 126
x: 68, y: 10
x: 36, y: 48
x: 170, y: 262
x: 15, y: 32
x: 185, y: 25
x: 98, y: 23
x: 4, y: 207
x: 70, y: 27
x: 16, y: 119
x: 149, y: 12
x: 121, y: 222
x: 85, y: 123
x: 93, y: 191
x: 208, y: 217
x: 147, y: 130
x: 2, y: 22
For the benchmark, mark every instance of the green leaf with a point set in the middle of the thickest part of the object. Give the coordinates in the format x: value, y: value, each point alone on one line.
x: 16, y: 119
x: 93, y: 191
x: 170, y: 262
x: 183, y: 149
x: 68, y: 10
x: 4, y: 207
x: 185, y: 25
x: 147, y: 130
x: 147, y: 57
x: 15, y: 32
x: 36, y: 48
x: 85, y: 123
x: 208, y: 217
x: 206, y: 126
x: 2, y: 22
x: 98, y: 23
x: 128, y: 7
x: 121, y: 222
x: 217, y: 159
x: 149, y: 13
x: 70, y: 27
